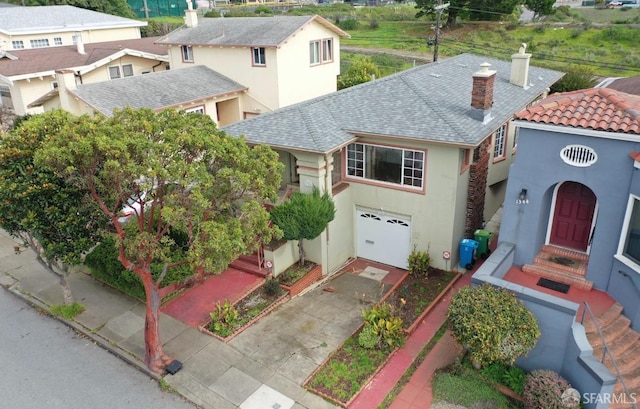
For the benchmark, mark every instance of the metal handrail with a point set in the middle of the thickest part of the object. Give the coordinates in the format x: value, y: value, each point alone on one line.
x: 606, y: 349
x: 624, y: 273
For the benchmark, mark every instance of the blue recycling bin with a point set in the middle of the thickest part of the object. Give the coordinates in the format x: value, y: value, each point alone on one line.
x: 467, y: 250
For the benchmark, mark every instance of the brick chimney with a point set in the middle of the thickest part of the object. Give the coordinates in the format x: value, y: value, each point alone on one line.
x: 191, y: 16
x: 520, y: 68
x: 482, y: 91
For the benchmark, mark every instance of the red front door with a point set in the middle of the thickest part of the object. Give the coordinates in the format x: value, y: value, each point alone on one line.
x: 572, y: 217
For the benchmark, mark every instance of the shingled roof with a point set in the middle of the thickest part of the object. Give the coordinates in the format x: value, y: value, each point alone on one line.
x: 431, y: 102
x: 600, y: 109
x: 51, y: 19
x: 47, y: 60
x: 157, y: 90
x: 245, y: 31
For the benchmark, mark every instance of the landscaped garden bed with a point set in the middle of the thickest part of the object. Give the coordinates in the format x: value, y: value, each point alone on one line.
x: 297, y: 278
x: 345, y: 372
x: 228, y: 320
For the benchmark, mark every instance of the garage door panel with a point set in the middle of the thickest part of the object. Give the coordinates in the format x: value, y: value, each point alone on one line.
x: 383, y: 239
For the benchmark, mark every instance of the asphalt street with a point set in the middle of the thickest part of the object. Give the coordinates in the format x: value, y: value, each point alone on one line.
x: 44, y: 364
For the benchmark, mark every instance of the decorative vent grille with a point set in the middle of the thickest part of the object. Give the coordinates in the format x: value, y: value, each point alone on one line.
x: 578, y: 155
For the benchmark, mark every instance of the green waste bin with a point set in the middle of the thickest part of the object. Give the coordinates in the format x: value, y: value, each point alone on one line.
x: 482, y: 237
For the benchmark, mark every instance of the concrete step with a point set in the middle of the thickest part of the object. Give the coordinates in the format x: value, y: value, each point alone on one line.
x: 249, y: 267
x: 559, y: 276
x: 250, y: 258
x: 565, y: 252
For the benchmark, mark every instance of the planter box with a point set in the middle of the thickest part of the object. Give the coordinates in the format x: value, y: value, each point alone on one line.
x: 311, y: 277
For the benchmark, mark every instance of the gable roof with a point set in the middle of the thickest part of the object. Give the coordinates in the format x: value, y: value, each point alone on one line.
x: 52, y: 19
x: 45, y: 61
x: 245, y: 31
x: 431, y: 102
x: 600, y: 109
x: 156, y: 90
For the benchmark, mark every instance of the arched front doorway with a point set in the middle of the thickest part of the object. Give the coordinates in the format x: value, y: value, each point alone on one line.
x: 572, y: 216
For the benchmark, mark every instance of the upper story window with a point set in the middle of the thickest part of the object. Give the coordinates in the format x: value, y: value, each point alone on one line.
x: 327, y: 50
x: 321, y: 51
x: 17, y: 44
x: 197, y: 110
x: 258, y: 56
x: 629, y: 246
x: 336, y: 173
x: 39, y: 43
x: 187, y: 53
x: 115, y: 71
x: 465, y: 159
x: 391, y: 165
x: 499, y: 143
x: 54, y: 84
x: 516, y: 133
x: 74, y: 39
x: 57, y: 40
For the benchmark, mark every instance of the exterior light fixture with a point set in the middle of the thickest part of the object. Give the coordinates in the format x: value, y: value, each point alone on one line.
x: 522, y: 197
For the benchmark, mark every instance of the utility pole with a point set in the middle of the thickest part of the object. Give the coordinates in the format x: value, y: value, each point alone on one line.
x: 438, y: 9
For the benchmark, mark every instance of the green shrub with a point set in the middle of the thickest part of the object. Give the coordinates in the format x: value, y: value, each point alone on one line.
x: 419, y: 263
x: 349, y: 24
x: 388, y: 329
x: 543, y: 389
x: 67, y: 312
x: 493, y: 324
x: 368, y: 337
x: 212, y: 14
x: 373, y: 24
x: 223, y: 318
x: 272, y: 287
x: 514, y: 378
x: 495, y: 371
x: 262, y: 9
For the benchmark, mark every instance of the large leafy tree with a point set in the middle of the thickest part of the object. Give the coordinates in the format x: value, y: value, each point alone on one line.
x: 477, y: 10
x: 540, y: 7
x: 186, y: 176
x: 304, y: 216
x: 44, y: 211
x: 362, y: 69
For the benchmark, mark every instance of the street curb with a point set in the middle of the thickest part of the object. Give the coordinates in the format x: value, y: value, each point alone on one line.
x: 99, y: 340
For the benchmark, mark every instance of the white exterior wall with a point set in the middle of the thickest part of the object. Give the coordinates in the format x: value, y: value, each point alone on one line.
x: 498, y: 173
x: 88, y: 36
x: 139, y: 65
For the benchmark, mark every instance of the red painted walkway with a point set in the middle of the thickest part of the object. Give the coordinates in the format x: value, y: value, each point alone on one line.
x: 193, y: 306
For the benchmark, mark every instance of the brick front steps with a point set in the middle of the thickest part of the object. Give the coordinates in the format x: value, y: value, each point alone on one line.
x: 249, y: 264
x: 624, y: 344
x: 561, y: 265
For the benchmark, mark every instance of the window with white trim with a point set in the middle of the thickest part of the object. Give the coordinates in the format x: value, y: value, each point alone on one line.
x: 465, y: 159
x: 17, y: 44
x: 127, y: 70
x: 197, y: 110
x: 187, y: 53
x: 514, y: 146
x: 403, y: 167
x: 39, y: 43
x: 499, y: 141
x: 74, y: 39
x: 314, y: 52
x: 630, y: 241
x: 114, y: 72
x: 336, y: 173
x: 327, y: 50
x: 57, y: 40
x: 258, y: 56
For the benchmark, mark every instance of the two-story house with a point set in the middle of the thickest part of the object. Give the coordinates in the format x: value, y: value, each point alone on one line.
x: 29, y: 76
x: 415, y: 160
x: 54, y: 26
x: 282, y: 60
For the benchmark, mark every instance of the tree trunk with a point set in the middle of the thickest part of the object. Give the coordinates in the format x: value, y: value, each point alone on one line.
x: 66, y: 290
x: 301, y: 251
x: 154, y: 358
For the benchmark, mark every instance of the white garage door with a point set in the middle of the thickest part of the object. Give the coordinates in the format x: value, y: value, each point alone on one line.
x: 381, y: 238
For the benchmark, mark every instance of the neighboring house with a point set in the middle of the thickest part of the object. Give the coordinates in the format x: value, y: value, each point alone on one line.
x: 53, y: 26
x: 415, y: 160
x: 630, y: 85
x: 28, y: 75
x: 282, y: 60
x: 574, y: 191
x: 194, y: 89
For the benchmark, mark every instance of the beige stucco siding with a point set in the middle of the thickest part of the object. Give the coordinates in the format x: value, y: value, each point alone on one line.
x: 24, y: 92
x: 341, y: 237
